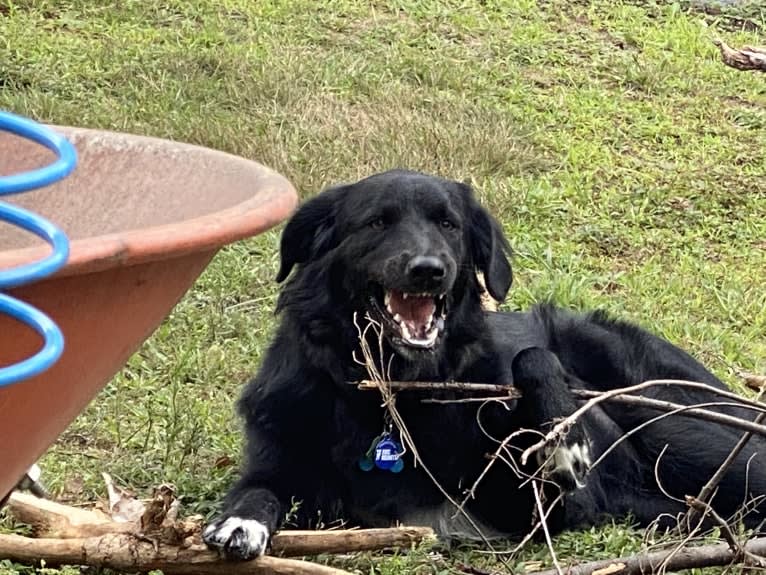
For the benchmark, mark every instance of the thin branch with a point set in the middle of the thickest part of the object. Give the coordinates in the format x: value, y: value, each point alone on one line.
x: 544, y: 524
x: 715, y: 555
x: 528, y: 537
x: 560, y: 429
x: 503, y: 445
x: 680, y: 410
x: 498, y: 398
x: 505, y: 391
x: 691, y: 411
x: 726, y: 533
x: 708, y: 489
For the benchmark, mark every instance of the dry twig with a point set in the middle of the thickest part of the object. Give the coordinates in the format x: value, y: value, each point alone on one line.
x: 696, y: 411
x: 504, y: 391
x: 709, y: 488
x: 560, y: 429
x: 726, y: 533
x: 715, y: 555
x: 544, y: 525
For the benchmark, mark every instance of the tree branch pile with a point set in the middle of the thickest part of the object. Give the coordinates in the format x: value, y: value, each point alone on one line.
x: 148, y: 539
x: 682, y: 555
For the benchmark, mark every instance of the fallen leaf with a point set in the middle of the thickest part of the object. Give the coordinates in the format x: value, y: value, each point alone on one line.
x: 223, y: 461
x: 754, y: 381
x: 123, y: 506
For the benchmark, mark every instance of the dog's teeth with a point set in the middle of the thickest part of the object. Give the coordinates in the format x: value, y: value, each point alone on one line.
x: 389, y: 310
x: 406, y: 332
x: 397, y: 318
x: 440, y: 323
x: 405, y: 295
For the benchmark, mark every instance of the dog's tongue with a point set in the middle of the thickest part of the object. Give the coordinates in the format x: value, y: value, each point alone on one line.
x: 415, y: 310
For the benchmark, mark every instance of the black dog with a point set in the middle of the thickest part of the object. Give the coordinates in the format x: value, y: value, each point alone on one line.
x: 403, y: 249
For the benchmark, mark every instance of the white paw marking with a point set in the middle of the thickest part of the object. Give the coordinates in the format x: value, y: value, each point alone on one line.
x: 568, y: 460
x: 255, y: 535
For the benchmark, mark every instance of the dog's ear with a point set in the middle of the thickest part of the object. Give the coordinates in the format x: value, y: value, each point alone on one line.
x: 310, y: 232
x: 490, y: 249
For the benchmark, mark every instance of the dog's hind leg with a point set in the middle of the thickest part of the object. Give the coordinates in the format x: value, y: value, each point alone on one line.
x: 544, y: 385
x: 675, y: 454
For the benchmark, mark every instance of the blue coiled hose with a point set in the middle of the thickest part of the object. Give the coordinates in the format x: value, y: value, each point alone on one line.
x: 53, y: 345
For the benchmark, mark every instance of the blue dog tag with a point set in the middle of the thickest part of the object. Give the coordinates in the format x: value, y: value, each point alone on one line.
x: 387, y: 455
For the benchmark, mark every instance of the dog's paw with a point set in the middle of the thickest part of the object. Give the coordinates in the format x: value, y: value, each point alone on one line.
x: 567, y: 463
x: 237, y: 538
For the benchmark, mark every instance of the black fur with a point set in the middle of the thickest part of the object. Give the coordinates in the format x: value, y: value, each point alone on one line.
x: 307, y: 426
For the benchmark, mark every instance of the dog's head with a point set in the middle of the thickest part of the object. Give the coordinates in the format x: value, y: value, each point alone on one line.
x: 403, y: 247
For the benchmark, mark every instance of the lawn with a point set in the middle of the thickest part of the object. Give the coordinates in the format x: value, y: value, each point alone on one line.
x: 624, y: 161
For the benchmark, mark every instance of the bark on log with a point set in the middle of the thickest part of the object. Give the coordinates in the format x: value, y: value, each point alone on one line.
x: 56, y: 521
x: 128, y: 553
x: 50, y: 519
x: 300, y: 543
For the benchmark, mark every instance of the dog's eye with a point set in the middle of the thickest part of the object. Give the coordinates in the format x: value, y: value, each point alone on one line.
x: 378, y: 223
x: 447, y: 224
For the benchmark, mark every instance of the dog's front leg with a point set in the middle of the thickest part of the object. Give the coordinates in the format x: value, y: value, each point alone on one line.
x: 546, y: 399
x: 251, y: 514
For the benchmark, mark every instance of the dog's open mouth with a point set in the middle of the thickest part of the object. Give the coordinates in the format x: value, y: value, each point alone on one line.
x: 416, y: 319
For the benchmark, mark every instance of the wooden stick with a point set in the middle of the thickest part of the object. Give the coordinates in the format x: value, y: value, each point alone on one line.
x: 697, y: 412
x: 715, y: 555
x: 748, y: 58
x: 560, y: 429
x: 468, y: 399
x: 506, y: 391
x: 123, y: 552
x: 300, y: 543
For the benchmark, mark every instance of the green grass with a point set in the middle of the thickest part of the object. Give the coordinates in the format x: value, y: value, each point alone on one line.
x: 623, y: 159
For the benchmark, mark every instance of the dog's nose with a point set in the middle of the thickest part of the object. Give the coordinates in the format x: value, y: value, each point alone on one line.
x: 426, y: 268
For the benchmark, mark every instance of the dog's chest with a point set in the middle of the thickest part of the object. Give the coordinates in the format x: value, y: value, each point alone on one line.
x: 447, y: 439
